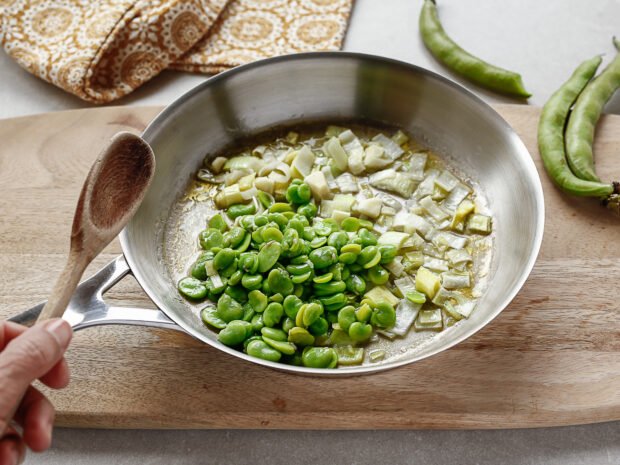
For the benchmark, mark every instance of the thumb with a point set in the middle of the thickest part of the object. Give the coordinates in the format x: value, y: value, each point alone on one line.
x: 28, y: 357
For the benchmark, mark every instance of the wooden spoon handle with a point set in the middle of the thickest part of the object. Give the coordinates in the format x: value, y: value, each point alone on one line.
x: 65, y: 287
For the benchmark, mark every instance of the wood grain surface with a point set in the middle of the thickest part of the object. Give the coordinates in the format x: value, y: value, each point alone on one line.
x: 551, y: 358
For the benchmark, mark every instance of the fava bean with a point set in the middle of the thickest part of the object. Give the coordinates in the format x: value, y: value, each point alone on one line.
x: 210, y: 316
x: 235, y: 332
x: 261, y: 349
x: 319, y: 357
x: 268, y: 256
x: 323, y: 256
x: 273, y: 314
x: 360, y: 332
x: 239, y: 210
x: 229, y: 309
x: 383, y: 315
x: 210, y: 238
x: 192, y: 288
x: 218, y: 222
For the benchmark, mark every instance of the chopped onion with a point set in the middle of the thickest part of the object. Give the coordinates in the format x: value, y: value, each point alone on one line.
x: 448, y: 239
x: 249, y: 193
x: 456, y: 196
x: 216, y: 280
x: 406, y: 313
x: 455, y: 280
x: 456, y: 257
x: 392, y: 149
x: 435, y: 264
x: 281, y: 173
x: 347, y: 184
x: 427, y: 186
x: 416, y: 166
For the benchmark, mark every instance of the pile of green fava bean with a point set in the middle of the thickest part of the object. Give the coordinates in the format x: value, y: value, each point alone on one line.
x: 283, y: 282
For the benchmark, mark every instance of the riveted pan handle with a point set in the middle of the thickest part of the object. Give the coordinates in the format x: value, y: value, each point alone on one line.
x: 87, y: 307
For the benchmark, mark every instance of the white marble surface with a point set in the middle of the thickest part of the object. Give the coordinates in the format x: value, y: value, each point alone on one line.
x: 544, y: 41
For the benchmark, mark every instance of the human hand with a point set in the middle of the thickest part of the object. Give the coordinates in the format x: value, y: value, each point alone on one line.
x: 27, y: 354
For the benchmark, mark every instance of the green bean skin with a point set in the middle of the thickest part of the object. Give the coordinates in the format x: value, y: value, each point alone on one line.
x: 585, y: 115
x: 551, y: 138
x: 453, y: 56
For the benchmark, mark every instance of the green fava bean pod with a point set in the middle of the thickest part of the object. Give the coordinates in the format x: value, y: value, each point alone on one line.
x: 235, y: 333
x: 471, y: 67
x: 584, y: 116
x: 229, y: 309
x: 261, y: 349
x: 551, y: 134
x: 319, y: 357
x: 192, y: 288
x: 272, y: 314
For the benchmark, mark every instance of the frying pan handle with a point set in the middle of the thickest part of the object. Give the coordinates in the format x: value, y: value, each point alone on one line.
x: 87, y: 307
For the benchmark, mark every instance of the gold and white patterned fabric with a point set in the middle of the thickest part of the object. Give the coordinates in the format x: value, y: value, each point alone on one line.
x: 101, y: 50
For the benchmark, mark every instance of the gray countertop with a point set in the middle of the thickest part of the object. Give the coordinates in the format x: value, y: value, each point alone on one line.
x: 544, y: 41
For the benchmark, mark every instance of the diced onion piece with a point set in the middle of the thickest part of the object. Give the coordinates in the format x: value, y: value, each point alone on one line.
x: 456, y: 257
x: 233, y: 176
x: 396, y: 267
x: 269, y: 164
x: 302, y: 164
x: 465, y: 308
x: 387, y: 333
x: 218, y: 163
x: 281, y: 173
x: 456, y: 196
x: 352, y: 145
x: 447, y: 181
x: 339, y: 216
x: 435, y: 264
x: 259, y: 150
x: 347, y: 184
x: 406, y: 313
x: 333, y: 149
x: 414, y: 242
x: 292, y: 137
x: 460, y: 215
x: 228, y: 196
x: 392, y: 181
x: 211, y: 271
x: 381, y: 294
x: 400, y: 137
x: 427, y: 282
x: 430, y: 317
x: 375, y: 157
x: 447, y: 239
x: 395, y: 238
x: 370, y: 207
x: 410, y: 223
x: 265, y: 184
x: 405, y: 285
x: 327, y: 208
x: 318, y: 185
x: 452, y: 280
x: 334, y: 131
x: 343, y: 202
x: 390, y: 201
x: 443, y: 296
x: 434, y: 210
x: 249, y: 193
x: 388, y: 211
x: 417, y: 163
x: 243, y: 162
x: 427, y: 186
x: 329, y: 177
x: 392, y: 149
x: 480, y: 224
x: 247, y: 181
x: 216, y: 280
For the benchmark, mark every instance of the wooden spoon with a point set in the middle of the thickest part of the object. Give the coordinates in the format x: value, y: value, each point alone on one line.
x: 112, y: 192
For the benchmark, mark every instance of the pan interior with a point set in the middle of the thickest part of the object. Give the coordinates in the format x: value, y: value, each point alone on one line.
x: 326, y: 88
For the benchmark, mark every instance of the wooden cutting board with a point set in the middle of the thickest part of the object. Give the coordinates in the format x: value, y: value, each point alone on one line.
x: 551, y: 358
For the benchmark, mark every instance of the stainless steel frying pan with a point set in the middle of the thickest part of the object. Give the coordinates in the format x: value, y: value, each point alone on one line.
x: 318, y: 87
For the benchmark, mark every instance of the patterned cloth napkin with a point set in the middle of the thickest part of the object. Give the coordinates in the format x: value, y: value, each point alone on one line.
x: 101, y: 50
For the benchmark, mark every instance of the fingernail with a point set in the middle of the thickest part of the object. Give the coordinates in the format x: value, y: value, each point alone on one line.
x: 61, y: 330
